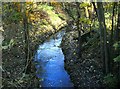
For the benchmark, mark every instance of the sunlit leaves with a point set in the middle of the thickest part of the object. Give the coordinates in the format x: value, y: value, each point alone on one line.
x: 108, y: 5
x: 45, y: 7
x: 16, y: 6
x: 82, y: 5
x: 108, y: 20
x: 85, y: 20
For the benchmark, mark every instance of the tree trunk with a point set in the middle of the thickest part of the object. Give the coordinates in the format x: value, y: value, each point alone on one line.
x: 68, y: 11
x: 113, y: 15
x: 111, y: 51
x: 118, y: 25
x: 95, y: 8
x: 118, y: 39
x: 79, y: 30
x: 26, y: 32
x: 87, y: 12
x: 103, y: 37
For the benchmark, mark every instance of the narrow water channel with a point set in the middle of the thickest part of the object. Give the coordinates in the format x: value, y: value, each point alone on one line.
x: 50, y: 63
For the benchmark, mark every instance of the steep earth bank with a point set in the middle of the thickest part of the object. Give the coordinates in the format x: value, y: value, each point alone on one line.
x: 87, y: 71
x: 13, y: 56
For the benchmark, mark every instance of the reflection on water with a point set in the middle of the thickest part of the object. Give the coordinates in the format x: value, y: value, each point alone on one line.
x: 50, y: 66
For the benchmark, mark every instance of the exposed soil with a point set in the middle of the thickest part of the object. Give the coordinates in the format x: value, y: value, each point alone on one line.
x: 14, y: 61
x: 85, y: 72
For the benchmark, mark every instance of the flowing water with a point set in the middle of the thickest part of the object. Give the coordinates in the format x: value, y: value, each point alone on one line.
x: 50, y: 63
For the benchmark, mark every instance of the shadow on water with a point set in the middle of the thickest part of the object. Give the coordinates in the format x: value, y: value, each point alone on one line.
x: 50, y: 63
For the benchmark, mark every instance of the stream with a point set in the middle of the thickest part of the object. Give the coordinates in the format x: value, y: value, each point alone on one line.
x: 50, y: 63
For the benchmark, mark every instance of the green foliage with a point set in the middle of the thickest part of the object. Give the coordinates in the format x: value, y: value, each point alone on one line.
x: 82, y: 5
x: 117, y: 59
x: 42, y: 20
x: 16, y: 16
x: 73, y: 12
x: 62, y: 16
x: 108, y: 6
x: 110, y: 80
x: 117, y: 45
x: 45, y: 7
x: 8, y: 45
x: 10, y: 14
x: 108, y: 20
x: 85, y: 20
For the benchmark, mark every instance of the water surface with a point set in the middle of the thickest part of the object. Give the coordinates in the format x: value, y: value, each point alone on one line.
x: 50, y: 66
